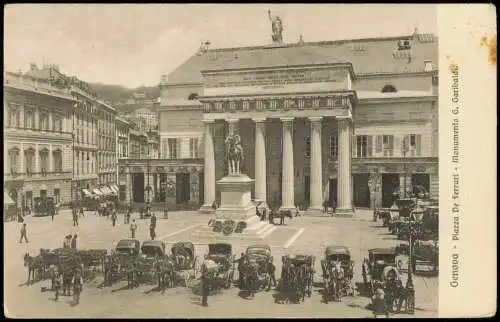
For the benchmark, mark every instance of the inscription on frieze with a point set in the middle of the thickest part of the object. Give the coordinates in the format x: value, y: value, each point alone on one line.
x: 277, y: 78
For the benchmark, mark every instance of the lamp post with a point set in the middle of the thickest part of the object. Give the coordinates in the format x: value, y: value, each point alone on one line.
x: 165, y: 210
x: 404, y: 150
x: 412, y: 235
x: 374, y: 186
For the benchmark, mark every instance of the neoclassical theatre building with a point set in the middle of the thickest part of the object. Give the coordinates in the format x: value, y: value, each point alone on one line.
x: 351, y: 122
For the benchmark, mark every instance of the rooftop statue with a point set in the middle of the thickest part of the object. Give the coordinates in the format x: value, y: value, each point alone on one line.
x: 277, y: 26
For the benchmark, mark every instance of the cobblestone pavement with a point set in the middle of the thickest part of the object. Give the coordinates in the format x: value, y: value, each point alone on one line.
x: 305, y: 235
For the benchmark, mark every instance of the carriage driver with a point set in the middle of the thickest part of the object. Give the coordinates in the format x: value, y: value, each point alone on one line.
x: 241, y: 262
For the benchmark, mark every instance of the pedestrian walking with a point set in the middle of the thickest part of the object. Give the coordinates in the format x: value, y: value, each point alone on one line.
x: 204, y: 286
x: 24, y: 234
x: 52, y: 213
x: 113, y: 219
x: 152, y: 232
x: 271, y: 269
x: 75, y: 218
x: 82, y: 213
x: 241, y: 262
x: 153, y: 220
x: 73, y: 242
x: 133, y: 228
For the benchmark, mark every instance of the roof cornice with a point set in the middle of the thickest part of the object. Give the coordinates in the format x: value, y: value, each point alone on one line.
x: 408, y: 99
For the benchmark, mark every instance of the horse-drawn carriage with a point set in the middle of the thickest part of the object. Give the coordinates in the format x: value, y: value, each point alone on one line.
x: 373, y: 267
x: 338, y: 272
x: 185, y: 263
x: 297, y: 275
x: 255, y: 270
x: 151, y: 252
x: 219, y: 265
x: 123, y: 261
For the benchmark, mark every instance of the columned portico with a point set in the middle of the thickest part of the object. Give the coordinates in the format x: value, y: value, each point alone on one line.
x: 316, y: 183
x: 260, y: 161
x: 344, y: 188
x: 209, y: 172
x: 287, y: 165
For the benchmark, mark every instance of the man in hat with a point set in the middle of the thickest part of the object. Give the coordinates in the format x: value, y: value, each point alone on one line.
x: 73, y: 242
x: 379, y: 303
x: 75, y: 218
x: 240, y: 261
x: 204, y: 286
x: 152, y: 232
x: 153, y: 220
x: 113, y: 218
x: 24, y: 234
x: 133, y: 228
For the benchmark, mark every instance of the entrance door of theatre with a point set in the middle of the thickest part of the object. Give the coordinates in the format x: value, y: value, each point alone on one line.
x: 390, y: 182
x: 307, y: 190
x: 183, y: 188
x: 361, y: 190
x: 138, y: 187
x: 333, y: 192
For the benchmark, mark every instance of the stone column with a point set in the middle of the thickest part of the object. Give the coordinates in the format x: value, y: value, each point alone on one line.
x: 344, y: 189
x: 260, y: 161
x: 316, y: 183
x: 209, y: 172
x: 287, y: 190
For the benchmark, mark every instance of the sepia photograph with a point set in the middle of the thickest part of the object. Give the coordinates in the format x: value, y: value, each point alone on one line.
x: 225, y: 160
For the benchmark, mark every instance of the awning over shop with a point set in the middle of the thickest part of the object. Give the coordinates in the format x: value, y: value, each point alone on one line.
x: 97, y: 192
x: 7, y: 200
x: 87, y: 193
x: 112, y: 190
x: 115, y: 188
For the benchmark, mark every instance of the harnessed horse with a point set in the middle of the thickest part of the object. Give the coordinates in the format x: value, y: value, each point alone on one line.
x: 165, y: 273
x: 281, y: 214
x: 35, y: 267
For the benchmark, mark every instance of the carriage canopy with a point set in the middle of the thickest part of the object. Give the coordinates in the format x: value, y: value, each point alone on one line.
x: 153, y: 247
x: 387, y: 255
x: 334, y: 252
x: 220, y: 249
x: 300, y: 259
x: 259, y: 251
x: 128, y: 246
x: 185, y: 248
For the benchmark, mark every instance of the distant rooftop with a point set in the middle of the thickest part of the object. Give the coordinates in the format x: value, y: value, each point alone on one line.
x: 404, y: 54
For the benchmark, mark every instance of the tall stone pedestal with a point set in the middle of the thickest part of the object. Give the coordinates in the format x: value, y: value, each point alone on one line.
x: 237, y: 205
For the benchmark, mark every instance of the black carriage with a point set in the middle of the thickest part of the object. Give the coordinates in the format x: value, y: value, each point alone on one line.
x: 373, y: 267
x: 127, y: 252
x: 185, y: 262
x: 297, y: 275
x: 258, y: 258
x: 151, y: 252
x: 44, y: 206
x: 221, y: 274
x: 341, y: 255
x: 93, y: 262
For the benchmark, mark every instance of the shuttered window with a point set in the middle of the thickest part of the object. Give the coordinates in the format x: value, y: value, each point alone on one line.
x: 388, y: 145
x: 172, y: 148
x: 378, y: 143
x: 164, y: 149
x: 369, y: 145
x: 414, y: 144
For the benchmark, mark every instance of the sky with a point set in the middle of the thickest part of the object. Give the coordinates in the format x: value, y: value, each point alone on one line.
x: 134, y: 44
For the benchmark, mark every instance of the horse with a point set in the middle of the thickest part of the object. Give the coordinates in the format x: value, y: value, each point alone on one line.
x: 281, y: 214
x: 295, y: 289
x: 250, y: 270
x: 165, y: 273
x: 336, y: 279
x: 110, y: 264
x: 35, y: 267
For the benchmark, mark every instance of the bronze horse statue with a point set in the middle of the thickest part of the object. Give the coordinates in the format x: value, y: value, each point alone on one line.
x: 234, y: 154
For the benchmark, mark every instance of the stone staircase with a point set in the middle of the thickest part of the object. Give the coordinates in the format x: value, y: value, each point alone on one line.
x: 256, y: 230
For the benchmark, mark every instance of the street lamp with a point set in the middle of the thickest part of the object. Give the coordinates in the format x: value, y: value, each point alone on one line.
x: 413, y: 231
x: 374, y: 186
x: 165, y: 210
x: 404, y: 150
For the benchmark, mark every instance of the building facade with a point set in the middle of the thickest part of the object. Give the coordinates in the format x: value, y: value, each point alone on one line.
x: 38, y: 139
x: 107, y: 148
x: 351, y: 122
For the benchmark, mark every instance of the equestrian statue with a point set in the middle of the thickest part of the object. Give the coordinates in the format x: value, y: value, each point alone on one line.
x: 234, y: 154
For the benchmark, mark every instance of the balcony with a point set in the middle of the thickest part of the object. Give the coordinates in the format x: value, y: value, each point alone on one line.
x: 42, y: 175
x: 36, y: 86
x: 26, y: 131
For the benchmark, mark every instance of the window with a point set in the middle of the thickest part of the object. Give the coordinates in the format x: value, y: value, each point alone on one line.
x: 29, y: 156
x: 172, y: 148
x: 363, y: 146
x: 57, y: 123
x: 83, y: 163
x: 29, y: 120
x: 388, y: 145
x: 77, y: 159
x: 415, y: 115
x: 388, y: 89
x: 307, y: 148
x: 193, y: 148
x: 334, y: 147
x: 14, y: 159
x: 44, y: 162
x: 412, y: 144
x: 57, y: 195
x: 57, y: 160
x: 404, y: 45
x: 14, y: 117
x: 44, y: 121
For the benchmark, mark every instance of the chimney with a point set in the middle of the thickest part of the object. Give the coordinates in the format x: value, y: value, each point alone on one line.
x: 164, y: 78
x: 427, y: 65
x: 415, y: 32
x: 33, y: 66
x: 301, y: 40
